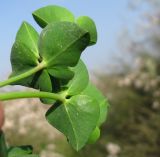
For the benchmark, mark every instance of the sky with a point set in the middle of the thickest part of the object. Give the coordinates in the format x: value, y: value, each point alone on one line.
x: 110, y: 18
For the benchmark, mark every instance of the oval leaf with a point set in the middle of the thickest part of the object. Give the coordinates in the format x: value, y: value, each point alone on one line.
x: 80, y: 79
x: 77, y: 119
x: 93, y: 92
x: 22, y: 57
x: 62, y: 43
x: 49, y: 14
x: 28, y: 36
x: 24, y: 53
x: 44, y: 84
x: 88, y: 24
x: 94, y: 136
x: 61, y: 72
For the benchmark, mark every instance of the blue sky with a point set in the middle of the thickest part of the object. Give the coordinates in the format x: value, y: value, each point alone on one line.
x: 110, y: 17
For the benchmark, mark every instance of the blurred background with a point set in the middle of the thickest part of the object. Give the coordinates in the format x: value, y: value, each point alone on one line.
x: 124, y: 65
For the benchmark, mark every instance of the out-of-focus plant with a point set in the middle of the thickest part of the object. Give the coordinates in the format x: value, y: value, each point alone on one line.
x: 134, y: 117
x: 133, y: 121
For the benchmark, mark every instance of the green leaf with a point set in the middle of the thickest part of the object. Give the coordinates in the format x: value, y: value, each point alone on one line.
x: 93, y: 92
x: 49, y: 14
x: 77, y: 119
x: 28, y: 36
x: 63, y: 53
x: 60, y: 47
x: 3, y: 146
x: 22, y: 57
x: 94, y: 136
x: 22, y: 60
x: 44, y: 83
x: 88, y: 24
x: 20, y: 151
x: 61, y: 72
x: 62, y: 43
x: 24, y: 82
x: 80, y: 79
x: 24, y: 54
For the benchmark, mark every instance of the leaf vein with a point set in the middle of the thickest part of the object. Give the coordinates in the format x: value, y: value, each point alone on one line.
x: 72, y: 126
x: 53, y: 58
x: 35, y: 46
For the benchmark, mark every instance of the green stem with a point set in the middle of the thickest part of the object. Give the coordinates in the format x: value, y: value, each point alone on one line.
x: 22, y: 76
x: 29, y: 94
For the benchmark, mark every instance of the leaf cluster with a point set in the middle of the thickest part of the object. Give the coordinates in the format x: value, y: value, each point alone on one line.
x: 50, y: 62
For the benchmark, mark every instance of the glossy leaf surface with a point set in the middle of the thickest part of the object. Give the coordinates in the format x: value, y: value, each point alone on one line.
x: 88, y: 24
x: 94, y: 136
x: 62, y: 43
x: 44, y: 83
x: 58, y: 52
x: 61, y: 72
x: 80, y: 79
x: 22, y: 58
x: 29, y: 37
x: 93, y: 92
x: 77, y: 119
x: 24, y: 53
x: 50, y: 14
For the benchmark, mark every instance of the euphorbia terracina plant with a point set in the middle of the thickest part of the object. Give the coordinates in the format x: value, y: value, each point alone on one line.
x: 51, y: 64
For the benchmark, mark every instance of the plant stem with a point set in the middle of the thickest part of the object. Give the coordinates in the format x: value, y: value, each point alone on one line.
x: 29, y: 94
x: 23, y: 75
